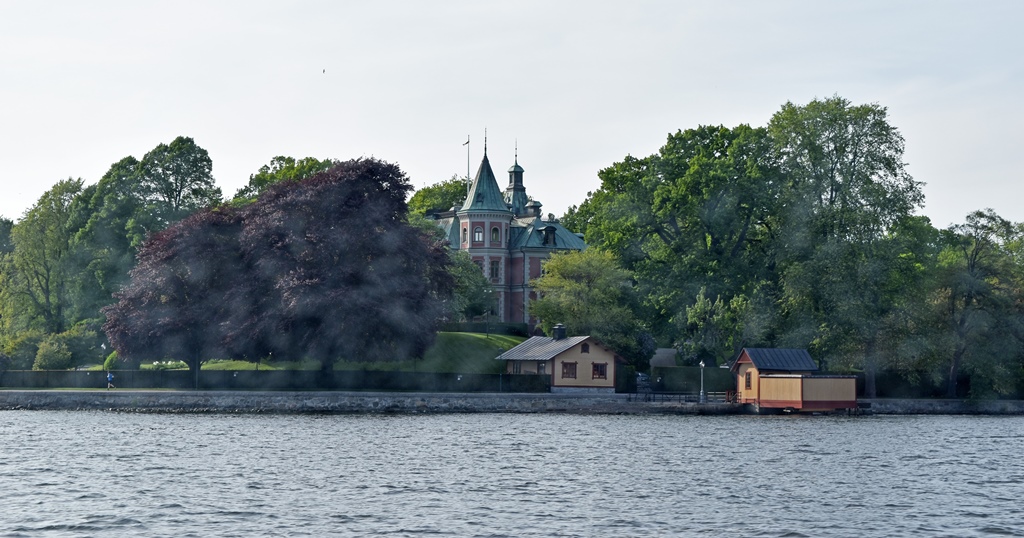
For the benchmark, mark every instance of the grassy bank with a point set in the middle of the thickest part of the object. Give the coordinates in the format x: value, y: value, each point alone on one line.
x: 463, y: 353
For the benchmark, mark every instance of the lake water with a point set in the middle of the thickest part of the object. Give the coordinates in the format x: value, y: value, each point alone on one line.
x: 120, y: 474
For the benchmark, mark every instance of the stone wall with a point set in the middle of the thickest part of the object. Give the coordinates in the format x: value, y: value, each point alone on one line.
x: 398, y: 402
x: 345, y: 402
x: 893, y: 406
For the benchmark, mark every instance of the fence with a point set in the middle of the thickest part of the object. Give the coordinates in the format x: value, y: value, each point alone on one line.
x: 277, y: 380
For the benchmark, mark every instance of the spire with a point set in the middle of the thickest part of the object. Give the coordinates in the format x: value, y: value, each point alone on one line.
x: 484, y: 194
x: 515, y: 193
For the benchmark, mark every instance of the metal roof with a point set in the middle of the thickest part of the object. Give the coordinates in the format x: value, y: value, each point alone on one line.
x: 484, y: 194
x: 785, y: 360
x: 540, y: 348
x: 531, y: 235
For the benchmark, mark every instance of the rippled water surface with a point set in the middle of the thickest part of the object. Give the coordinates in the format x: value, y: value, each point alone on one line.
x: 114, y: 474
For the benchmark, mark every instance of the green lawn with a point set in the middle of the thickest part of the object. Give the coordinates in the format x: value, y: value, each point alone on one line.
x: 463, y: 353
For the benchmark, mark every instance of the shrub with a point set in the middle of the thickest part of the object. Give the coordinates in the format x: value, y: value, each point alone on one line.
x: 111, y: 362
x: 52, y: 355
x: 22, y: 349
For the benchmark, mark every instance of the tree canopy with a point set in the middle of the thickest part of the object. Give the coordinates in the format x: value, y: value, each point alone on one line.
x: 590, y: 294
x: 280, y: 169
x: 439, y: 196
x: 325, y: 268
x: 803, y: 234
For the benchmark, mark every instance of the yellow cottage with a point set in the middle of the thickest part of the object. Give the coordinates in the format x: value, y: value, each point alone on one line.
x: 785, y: 379
x: 575, y: 363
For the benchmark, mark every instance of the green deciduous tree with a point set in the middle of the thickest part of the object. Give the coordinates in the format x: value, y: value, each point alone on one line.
x: 439, y: 196
x: 980, y: 298
x: 116, y: 220
x: 36, y: 275
x: 280, y: 169
x: 591, y: 295
x: 473, y: 295
x: 176, y: 179
x: 697, y: 215
x: 847, y: 190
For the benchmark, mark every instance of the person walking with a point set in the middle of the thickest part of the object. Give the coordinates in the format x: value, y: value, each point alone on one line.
x: 110, y: 380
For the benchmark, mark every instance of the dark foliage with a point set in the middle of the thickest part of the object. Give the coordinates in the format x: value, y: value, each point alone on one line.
x: 173, y: 306
x: 326, y: 268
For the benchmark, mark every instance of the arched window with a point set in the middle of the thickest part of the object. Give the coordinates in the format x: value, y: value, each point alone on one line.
x: 478, y: 234
x: 464, y: 235
x: 585, y: 348
x: 495, y: 235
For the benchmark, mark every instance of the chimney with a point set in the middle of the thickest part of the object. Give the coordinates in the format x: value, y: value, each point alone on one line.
x: 558, y: 332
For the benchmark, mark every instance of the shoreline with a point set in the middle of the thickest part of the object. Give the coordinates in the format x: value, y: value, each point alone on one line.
x: 332, y: 402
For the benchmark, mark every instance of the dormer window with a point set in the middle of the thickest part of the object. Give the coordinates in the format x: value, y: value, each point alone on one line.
x: 549, y: 235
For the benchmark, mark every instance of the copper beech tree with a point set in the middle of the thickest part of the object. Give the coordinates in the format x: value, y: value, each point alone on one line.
x: 327, y: 268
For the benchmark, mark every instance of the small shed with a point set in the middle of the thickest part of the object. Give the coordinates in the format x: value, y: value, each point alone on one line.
x: 772, y: 378
x: 575, y: 363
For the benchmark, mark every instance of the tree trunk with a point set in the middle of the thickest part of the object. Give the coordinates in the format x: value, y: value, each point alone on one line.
x: 870, y: 366
x: 954, y: 371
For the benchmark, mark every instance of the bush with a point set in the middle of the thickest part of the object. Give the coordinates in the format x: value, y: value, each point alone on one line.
x: 52, y: 355
x: 85, y: 342
x: 22, y: 349
x: 111, y: 362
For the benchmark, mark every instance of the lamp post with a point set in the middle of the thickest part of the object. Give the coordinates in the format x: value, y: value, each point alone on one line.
x: 703, y: 397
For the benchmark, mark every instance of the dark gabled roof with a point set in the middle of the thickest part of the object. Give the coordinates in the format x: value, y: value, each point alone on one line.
x: 484, y: 194
x: 779, y: 360
x: 540, y: 348
x: 531, y: 234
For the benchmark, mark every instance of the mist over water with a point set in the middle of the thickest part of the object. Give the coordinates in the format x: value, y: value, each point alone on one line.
x: 100, y: 474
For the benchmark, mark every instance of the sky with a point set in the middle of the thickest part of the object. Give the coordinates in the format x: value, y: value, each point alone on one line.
x: 575, y: 86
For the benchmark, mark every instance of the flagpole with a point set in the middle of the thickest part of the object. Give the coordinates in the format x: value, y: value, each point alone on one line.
x: 467, y: 165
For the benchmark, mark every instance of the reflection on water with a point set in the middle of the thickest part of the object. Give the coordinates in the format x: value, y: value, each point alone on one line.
x: 95, y: 473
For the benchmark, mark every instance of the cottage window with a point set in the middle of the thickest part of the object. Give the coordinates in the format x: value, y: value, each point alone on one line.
x: 541, y: 367
x: 478, y: 234
x: 746, y: 381
x: 517, y: 367
x: 495, y: 235
x: 600, y: 370
x: 585, y: 348
x: 568, y: 370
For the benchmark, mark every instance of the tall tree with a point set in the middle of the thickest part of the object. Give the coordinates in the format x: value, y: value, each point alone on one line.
x: 591, y: 295
x: 174, y: 305
x: 981, y: 298
x: 353, y: 279
x: 325, y: 268
x: 697, y: 215
x: 116, y: 221
x: 177, y: 179
x: 847, y: 189
x: 6, y: 245
x: 36, y: 273
x: 439, y: 196
x: 280, y: 169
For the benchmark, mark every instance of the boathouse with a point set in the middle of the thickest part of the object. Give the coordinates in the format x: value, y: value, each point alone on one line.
x: 574, y: 363
x: 787, y: 379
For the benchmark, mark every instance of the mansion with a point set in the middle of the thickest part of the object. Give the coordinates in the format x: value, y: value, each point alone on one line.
x: 506, y: 236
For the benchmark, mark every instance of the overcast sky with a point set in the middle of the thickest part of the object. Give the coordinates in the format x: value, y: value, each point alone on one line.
x: 579, y: 84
